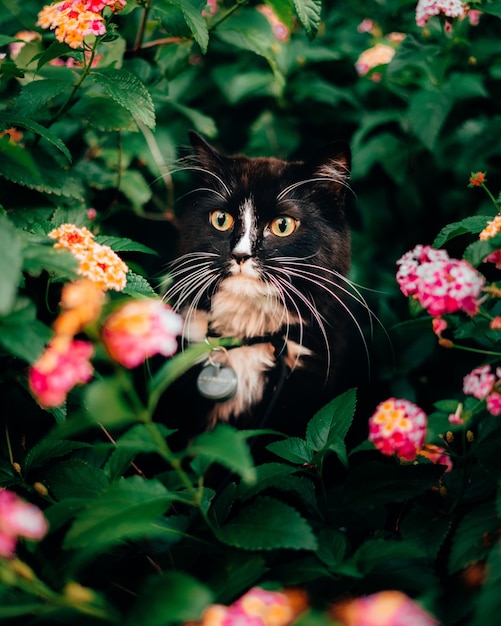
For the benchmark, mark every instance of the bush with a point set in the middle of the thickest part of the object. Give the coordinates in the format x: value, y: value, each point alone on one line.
x: 95, y: 111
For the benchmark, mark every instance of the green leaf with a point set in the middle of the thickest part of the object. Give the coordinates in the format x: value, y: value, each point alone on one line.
x: 268, y: 524
x: 427, y: 113
x: 128, y: 91
x: 75, y: 478
x: 7, y: 120
x: 10, y: 264
x: 470, y: 542
x: 138, y: 285
x: 169, y: 598
x: 331, y: 423
x: 106, y: 403
x: 488, y: 603
x: 22, y: 334
x: 124, y: 244
x: 37, y: 93
x: 124, y: 510
x: 48, y: 449
x: 195, y: 21
x: 308, y: 12
x: 477, y: 251
x: 469, y: 225
x: 225, y: 445
x: 293, y: 449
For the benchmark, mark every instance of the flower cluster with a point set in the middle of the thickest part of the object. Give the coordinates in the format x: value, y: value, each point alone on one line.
x: 483, y: 384
x: 385, y: 608
x: 97, y: 262
x: 398, y: 427
x: 18, y: 519
x: 440, y: 284
x: 427, y: 9
x: 73, y: 20
x: 257, y: 607
x: 141, y: 329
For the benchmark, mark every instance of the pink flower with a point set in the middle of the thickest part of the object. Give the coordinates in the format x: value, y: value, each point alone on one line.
x: 494, y: 257
x: 436, y: 455
x: 386, y: 608
x: 427, y: 9
x: 494, y: 403
x: 440, y: 284
x: 257, y: 607
x: 479, y: 382
x: 63, y: 365
x: 141, y: 329
x: 18, y: 519
x: 398, y: 427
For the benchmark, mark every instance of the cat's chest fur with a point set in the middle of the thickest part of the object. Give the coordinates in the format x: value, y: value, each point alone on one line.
x: 264, y: 249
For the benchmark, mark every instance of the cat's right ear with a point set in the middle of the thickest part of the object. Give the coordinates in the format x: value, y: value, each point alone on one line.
x: 206, y: 155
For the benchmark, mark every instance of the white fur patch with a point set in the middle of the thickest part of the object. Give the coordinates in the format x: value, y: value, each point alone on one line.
x: 248, y: 217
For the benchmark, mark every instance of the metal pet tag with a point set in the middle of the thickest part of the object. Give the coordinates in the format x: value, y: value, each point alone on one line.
x: 217, y: 382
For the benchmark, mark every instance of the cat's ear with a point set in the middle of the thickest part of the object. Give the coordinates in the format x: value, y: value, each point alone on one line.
x: 331, y: 165
x: 206, y: 155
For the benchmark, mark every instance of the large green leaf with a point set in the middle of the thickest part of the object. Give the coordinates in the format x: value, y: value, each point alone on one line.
x: 169, y: 598
x: 225, y: 445
x: 427, y: 113
x: 195, y: 21
x: 128, y: 91
x: 11, y: 261
x: 7, y: 120
x: 268, y: 524
x: 309, y: 13
x: 472, y: 224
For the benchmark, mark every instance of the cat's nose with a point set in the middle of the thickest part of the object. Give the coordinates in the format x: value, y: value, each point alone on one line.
x: 240, y: 257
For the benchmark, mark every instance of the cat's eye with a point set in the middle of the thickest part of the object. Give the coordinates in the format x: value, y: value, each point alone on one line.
x: 283, y: 226
x: 221, y: 220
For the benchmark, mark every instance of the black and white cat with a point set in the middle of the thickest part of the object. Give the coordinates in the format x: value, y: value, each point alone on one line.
x: 264, y: 250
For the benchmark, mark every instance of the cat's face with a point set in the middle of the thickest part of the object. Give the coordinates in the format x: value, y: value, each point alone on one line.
x: 259, y: 237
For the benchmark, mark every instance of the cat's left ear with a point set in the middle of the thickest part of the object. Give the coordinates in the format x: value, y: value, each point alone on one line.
x: 333, y: 163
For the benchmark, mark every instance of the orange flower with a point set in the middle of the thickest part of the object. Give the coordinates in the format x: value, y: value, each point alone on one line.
x: 477, y: 179
x: 82, y: 302
x: 493, y: 227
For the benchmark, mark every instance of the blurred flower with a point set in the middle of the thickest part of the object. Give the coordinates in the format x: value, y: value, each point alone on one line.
x: 427, y: 9
x: 380, y: 54
x: 492, y: 228
x: 366, y: 26
x: 18, y: 519
x: 141, y: 329
x: 14, y: 135
x: 280, y: 30
x: 386, y: 608
x: 479, y: 382
x: 62, y: 365
x: 73, y: 20
x: 82, y: 302
x: 494, y: 257
x: 258, y: 607
x: 477, y: 179
x: 436, y: 455
x: 97, y: 262
x: 25, y: 36
x: 440, y: 284
x: 398, y: 427
x: 474, y: 16
x: 482, y: 383
x: 456, y: 417
x: 210, y: 8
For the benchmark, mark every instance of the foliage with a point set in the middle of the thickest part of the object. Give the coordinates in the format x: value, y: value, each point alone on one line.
x: 92, y: 136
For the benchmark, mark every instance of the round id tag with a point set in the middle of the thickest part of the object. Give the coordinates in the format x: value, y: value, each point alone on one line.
x: 217, y: 382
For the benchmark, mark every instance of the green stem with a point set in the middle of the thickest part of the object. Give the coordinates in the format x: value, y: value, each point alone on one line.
x: 492, y: 198
x: 224, y: 16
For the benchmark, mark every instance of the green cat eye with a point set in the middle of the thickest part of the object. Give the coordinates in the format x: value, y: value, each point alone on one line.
x: 221, y: 220
x: 283, y: 226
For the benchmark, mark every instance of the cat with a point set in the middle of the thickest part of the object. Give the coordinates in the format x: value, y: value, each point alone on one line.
x: 263, y: 256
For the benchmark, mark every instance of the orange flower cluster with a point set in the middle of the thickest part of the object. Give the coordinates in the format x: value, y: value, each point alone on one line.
x: 97, y: 262
x: 73, y: 20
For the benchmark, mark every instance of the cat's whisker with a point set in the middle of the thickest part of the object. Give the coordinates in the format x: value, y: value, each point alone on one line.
x: 340, y: 180
x: 339, y: 300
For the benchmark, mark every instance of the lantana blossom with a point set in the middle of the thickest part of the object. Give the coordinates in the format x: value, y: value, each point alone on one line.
x: 427, y: 9
x: 141, y: 329
x: 95, y: 261
x: 257, y: 607
x: 63, y: 365
x: 73, y: 20
x: 380, y: 54
x: 484, y: 384
x: 18, y: 519
x: 384, y: 608
x: 439, y: 283
x: 398, y: 427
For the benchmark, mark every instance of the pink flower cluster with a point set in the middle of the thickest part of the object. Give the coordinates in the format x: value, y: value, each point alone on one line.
x: 141, y: 329
x: 257, y: 607
x: 385, y: 608
x: 398, y: 427
x: 483, y: 384
x: 440, y: 284
x: 62, y: 366
x: 73, y: 20
x: 427, y: 9
x: 18, y: 519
